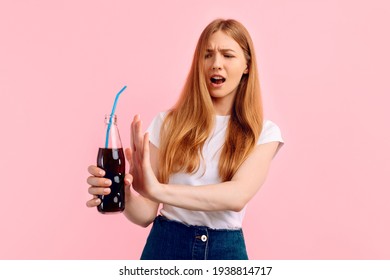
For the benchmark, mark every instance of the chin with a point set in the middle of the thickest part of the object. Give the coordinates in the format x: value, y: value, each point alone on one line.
x: 219, y: 94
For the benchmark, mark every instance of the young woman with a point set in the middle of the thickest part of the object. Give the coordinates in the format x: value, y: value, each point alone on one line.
x: 204, y: 159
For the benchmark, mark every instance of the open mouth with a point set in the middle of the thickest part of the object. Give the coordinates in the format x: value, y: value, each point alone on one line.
x: 217, y: 80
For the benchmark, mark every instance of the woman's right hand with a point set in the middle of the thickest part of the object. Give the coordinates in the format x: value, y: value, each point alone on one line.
x: 101, y: 186
x: 98, y: 185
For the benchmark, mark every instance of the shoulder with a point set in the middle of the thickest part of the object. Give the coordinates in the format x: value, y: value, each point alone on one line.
x: 155, y: 128
x: 270, y: 133
x: 158, y: 119
x: 160, y: 116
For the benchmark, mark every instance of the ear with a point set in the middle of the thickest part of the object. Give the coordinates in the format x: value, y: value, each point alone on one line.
x: 246, y: 71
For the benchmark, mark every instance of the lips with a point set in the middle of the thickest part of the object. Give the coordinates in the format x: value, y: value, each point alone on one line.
x: 217, y: 79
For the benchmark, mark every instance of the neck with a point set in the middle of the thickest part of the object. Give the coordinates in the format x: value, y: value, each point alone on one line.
x: 222, y: 107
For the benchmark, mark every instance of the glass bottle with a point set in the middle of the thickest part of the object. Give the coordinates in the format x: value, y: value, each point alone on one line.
x: 111, y: 158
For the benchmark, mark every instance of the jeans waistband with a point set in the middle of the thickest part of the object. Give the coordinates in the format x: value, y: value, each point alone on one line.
x: 163, y: 219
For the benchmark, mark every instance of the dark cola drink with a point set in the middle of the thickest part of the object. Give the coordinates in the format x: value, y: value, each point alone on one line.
x: 113, y: 162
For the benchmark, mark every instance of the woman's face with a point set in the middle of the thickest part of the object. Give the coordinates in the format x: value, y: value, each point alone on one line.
x: 224, y: 66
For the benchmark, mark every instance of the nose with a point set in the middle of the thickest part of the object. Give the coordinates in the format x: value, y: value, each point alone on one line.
x: 217, y: 63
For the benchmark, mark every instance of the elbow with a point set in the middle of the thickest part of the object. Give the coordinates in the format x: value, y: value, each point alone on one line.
x: 238, y: 206
x: 145, y: 224
x: 239, y: 202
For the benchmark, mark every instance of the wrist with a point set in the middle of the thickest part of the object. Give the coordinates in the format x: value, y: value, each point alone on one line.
x: 157, y: 193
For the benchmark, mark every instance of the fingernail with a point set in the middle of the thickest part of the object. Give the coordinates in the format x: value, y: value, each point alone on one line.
x: 128, y: 181
x: 101, y: 172
x: 107, y: 182
x: 97, y: 200
x: 106, y: 190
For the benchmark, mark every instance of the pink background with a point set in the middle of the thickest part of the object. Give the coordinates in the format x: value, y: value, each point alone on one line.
x: 323, y: 64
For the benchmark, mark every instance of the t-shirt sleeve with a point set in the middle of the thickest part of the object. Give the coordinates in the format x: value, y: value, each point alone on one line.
x: 270, y: 133
x: 154, y: 129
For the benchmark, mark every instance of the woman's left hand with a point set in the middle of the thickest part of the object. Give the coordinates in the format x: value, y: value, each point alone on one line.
x: 145, y: 181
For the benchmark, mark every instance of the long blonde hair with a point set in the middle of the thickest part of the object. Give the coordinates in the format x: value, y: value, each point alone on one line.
x: 189, y: 123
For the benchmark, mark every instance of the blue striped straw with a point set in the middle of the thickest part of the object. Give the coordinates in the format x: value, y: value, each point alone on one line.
x: 112, y: 114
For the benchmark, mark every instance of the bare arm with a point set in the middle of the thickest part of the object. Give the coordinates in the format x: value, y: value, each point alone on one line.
x: 232, y: 195
x: 141, y: 210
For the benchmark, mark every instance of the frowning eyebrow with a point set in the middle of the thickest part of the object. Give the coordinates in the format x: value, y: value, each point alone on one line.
x: 221, y: 50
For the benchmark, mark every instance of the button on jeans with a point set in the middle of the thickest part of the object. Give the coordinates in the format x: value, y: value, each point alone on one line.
x: 171, y: 240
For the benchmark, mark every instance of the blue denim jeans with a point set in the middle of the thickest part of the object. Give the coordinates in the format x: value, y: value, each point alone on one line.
x: 171, y: 240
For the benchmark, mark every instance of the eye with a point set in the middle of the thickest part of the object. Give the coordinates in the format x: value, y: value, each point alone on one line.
x: 228, y: 55
x: 208, y: 55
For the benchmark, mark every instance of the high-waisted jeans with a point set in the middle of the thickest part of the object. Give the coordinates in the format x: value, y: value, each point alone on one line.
x: 171, y: 240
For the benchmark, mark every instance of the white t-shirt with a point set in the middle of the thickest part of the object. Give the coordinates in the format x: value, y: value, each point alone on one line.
x: 208, y: 174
